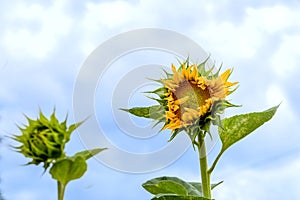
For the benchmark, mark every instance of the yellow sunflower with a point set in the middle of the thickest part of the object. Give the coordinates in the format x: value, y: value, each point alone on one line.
x: 190, y: 95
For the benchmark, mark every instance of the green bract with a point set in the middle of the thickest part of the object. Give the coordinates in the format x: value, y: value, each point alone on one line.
x: 43, y: 140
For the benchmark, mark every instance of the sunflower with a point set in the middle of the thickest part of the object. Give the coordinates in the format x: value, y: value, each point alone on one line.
x: 191, y: 95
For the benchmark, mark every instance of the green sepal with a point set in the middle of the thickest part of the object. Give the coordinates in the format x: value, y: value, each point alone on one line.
x: 201, y: 67
x: 208, y: 73
x: 168, y: 75
x: 155, y: 112
x: 74, y: 126
x: 161, y: 92
x: 174, y: 134
x: 217, y: 109
x: 186, y: 62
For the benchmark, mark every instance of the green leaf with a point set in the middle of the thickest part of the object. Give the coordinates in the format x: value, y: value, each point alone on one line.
x: 68, y: 169
x: 155, y: 112
x: 166, y: 187
x: 213, y: 186
x: 198, y: 186
x: 170, y: 185
x: 174, y: 197
x: 237, y: 127
x: 89, y: 153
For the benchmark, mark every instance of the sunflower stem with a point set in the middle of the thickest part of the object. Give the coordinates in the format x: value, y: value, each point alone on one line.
x: 60, y: 190
x: 205, y: 175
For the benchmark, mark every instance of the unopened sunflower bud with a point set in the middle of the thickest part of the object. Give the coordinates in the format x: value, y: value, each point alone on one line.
x: 43, y: 140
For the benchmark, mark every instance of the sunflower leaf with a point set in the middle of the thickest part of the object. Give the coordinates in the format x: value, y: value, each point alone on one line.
x: 237, y: 127
x: 170, y: 186
x: 89, y: 153
x: 166, y: 187
x: 198, y: 186
x: 68, y: 169
x: 176, y: 197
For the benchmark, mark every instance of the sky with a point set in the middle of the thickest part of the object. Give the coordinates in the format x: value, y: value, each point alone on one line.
x: 43, y: 47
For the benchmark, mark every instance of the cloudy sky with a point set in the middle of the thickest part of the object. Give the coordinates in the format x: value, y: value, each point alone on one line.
x: 43, y: 47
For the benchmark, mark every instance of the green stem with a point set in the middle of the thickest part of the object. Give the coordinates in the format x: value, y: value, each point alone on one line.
x: 215, y: 162
x: 60, y: 190
x: 205, y: 176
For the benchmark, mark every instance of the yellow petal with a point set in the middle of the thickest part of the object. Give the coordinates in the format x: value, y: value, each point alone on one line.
x: 170, y: 114
x: 194, y: 73
x: 174, y: 68
x: 228, y: 84
x: 225, y: 75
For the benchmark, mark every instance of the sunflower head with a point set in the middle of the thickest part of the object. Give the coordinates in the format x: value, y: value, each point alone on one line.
x: 43, y: 140
x: 190, y: 99
x: 194, y: 96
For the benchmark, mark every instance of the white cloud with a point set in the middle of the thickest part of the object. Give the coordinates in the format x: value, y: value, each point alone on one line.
x: 35, y: 30
x: 242, y: 39
x: 100, y: 18
x: 232, y: 40
x: 105, y: 19
x: 275, y: 18
x: 275, y: 182
x: 275, y: 96
x: 286, y: 113
x: 285, y: 62
x: 109, y: 14
x: 281, y: 20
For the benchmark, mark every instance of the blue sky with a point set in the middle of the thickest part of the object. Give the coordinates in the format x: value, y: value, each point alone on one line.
x: 43, y: 46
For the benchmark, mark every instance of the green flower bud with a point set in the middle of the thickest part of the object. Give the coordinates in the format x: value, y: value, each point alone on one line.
x: 43, y: 140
